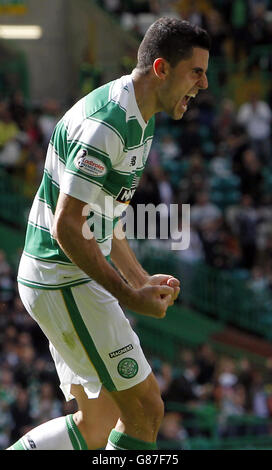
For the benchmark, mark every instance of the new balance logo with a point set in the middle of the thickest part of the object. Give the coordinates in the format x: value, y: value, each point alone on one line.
x: 133, y: 160
x: 125, y: 194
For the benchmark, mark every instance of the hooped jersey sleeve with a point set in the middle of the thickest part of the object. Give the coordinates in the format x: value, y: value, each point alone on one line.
x: 92, y: 148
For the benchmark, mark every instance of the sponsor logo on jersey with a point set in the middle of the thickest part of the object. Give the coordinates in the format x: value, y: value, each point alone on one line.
x: 128, y: 368
x: 90, y: 165
x: 125, y: 194
x: 118, y: 352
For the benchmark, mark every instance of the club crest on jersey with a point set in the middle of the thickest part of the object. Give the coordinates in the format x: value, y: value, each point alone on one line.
x: 90, y: 165
x: 125, y: 194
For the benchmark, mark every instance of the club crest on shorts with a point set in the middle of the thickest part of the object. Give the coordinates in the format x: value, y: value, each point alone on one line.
x: 90, y: 165
x: 127, y: 368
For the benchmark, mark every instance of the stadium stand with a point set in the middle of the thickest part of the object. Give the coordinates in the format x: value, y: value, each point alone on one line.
x: 212, y: 354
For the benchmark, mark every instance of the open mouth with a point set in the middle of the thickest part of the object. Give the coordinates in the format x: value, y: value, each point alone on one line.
x: 186, y: 100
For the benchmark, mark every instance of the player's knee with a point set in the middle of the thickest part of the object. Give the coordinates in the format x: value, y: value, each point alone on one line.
x: 145, y: 410
x: 95, y: 435
x: 153, y: 408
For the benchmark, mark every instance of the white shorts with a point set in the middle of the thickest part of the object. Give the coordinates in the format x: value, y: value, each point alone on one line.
x: 90, y: 339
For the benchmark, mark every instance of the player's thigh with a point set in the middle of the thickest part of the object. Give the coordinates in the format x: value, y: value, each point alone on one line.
x: 98, y: 412
x: 142, y: 400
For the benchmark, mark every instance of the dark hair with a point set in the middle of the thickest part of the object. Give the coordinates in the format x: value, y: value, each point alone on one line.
x: 172, y: 39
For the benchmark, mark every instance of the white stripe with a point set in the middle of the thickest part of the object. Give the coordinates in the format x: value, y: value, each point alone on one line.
x: 90, y: 132
x: 111, y: 446
x: 53, y: 164
x: 24, y: 443
x: 106, y: 125
x: 79, y: 188
x: 40, y: 214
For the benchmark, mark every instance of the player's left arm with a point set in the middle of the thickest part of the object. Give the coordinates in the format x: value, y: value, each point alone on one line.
x: 123, y: 257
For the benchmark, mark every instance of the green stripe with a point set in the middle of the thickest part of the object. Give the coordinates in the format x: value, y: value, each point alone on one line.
x: 37, y: 285
x: 134, y: 133
x: 86, y: 340
x: 50, y: 177
x: 72, y: 436
x: 150, y: 128
x: 59, y: 140
x: 45, y: 229
x: 125, y: 442
x: 119, y: 104
x: 98, y: 98
x: 126, y: 149
x: 77, y: 440
x: 116, y: 181
x: 40, y: 244
x: 96, y: 152
x: 44, y: 201
x: 48, y: 191
x: 61, y: 159
x: 18, y: 446
x: 47, y: 260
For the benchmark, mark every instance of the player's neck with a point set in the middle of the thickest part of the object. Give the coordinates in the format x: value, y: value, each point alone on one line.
x: 145, y: 95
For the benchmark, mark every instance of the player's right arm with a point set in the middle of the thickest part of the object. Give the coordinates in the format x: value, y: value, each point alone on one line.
x: 86, y: 254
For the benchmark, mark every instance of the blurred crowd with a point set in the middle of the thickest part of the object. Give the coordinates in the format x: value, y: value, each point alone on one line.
x: 235, y: 27
x: 217, y: 159
x: 214, y: 396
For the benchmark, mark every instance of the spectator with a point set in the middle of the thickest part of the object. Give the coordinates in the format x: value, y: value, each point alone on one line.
x: 18, y: 109
x: 20, y: 412
x: 256, y: 116
x: 247, y: 220
x: 239, y: 17
x: 225, y: 118
x: 164, y: 377
x: 48, y: 119
x: 196, y: 177
x: 245, y: 378
x: 204, y: 211
x: 206, y: 362
x: 10, y: 149
x: 216, y: 27
x: 47, y: 406
x: 251, y: 175
x: 232, y: 407
x: 169, y: 148
x: 184, y: 388
x: 172, y: 430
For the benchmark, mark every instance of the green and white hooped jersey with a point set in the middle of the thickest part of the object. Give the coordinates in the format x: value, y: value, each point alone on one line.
x: 97, y: 154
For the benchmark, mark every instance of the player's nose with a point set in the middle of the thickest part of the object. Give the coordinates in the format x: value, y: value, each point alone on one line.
x: 203, y: 82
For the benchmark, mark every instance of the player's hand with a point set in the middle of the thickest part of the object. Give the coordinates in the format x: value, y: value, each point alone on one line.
x: 153, y: 300
x: 165, y: 279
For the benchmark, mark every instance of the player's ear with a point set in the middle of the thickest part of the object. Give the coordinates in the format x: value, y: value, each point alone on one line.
x: 160, y: 68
